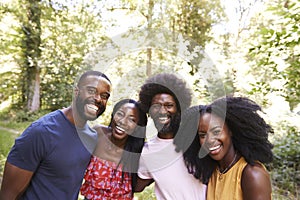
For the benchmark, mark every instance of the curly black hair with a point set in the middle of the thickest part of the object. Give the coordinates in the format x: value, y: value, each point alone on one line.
x: 168, y: 84
x: 249, y: 134
x: 135, y: 142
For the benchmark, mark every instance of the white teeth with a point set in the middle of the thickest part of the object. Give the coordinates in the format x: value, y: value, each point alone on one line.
x: 214, y: 148
x: 163, y: 119
x: 121, y: 129
x: 91, y: 106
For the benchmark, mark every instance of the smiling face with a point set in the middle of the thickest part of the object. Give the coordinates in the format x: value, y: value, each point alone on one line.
x: 91, y: 97
x: 215, y: 137
x: 164, y: 113
x: 124, y: 121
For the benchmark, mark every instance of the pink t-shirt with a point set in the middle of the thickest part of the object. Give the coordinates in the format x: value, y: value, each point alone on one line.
x: 160, y: 161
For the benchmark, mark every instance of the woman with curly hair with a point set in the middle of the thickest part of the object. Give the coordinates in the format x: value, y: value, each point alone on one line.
x: 112, y: 171
x: 226, y: 145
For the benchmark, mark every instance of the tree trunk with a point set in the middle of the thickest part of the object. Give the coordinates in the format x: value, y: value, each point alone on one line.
x: 149, y: 50
x: 149, y: 57
x: 32, y: 41
x: 33, y: 103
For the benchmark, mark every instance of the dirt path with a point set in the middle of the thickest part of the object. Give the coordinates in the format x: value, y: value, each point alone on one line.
x: 10, y: 130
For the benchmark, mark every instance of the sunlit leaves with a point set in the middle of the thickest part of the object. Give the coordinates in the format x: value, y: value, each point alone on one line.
x: 277, y: 51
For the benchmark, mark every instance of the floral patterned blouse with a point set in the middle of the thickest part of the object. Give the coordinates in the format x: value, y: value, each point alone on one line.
x: 104, y: 181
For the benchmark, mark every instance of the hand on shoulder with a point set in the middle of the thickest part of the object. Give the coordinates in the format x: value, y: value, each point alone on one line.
x: 101, y: 129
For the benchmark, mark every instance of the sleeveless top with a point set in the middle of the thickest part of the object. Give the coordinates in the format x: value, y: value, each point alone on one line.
x: 227, y: 186
x: 103, y: 180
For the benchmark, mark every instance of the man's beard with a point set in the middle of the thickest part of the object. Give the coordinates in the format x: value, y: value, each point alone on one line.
x: 172, y: 127
x: 80, y: 108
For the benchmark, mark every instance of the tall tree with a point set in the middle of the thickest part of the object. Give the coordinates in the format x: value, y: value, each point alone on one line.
x: 31, y: 27
x: 193, y: 19
x: 23, y: 40
x: 70, y: 32
x: 43, y: 48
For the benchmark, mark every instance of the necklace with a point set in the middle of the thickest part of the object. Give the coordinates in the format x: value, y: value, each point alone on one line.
x: 227, y: 168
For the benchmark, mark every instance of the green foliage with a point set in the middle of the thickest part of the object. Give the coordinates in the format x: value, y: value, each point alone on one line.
x: 25, y: 116
x: 147, y: 194
x: 195, y: 18
x: 6, y: 142
x: 285, y: 170
x: 275, y: 50
x: 67, y: 34
x: 7, y: 87
x: 222, y: 86
x: 65, y: 42
x: 18, y: 119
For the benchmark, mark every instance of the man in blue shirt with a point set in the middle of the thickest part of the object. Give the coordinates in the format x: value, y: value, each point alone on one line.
x: 49, y: 159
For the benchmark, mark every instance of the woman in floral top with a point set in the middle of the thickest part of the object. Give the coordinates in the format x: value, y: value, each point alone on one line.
x: 111, y: 173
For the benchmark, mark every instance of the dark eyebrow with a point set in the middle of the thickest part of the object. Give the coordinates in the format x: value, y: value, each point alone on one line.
x: 91, y: 87
x: 165, y: 103
x: 212, y: 129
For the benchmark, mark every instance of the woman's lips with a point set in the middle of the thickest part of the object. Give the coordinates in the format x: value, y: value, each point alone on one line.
x: 215, y: 149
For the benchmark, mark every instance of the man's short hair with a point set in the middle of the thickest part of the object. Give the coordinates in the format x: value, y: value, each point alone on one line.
x: 91, y: 73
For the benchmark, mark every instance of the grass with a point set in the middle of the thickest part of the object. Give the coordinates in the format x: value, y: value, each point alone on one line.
x: 6, y: 142
x: 16, y: 127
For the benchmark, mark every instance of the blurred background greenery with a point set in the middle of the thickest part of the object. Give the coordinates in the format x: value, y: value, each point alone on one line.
x: 229, y: 47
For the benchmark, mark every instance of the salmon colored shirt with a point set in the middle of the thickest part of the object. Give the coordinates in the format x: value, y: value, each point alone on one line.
x: 103, y: 181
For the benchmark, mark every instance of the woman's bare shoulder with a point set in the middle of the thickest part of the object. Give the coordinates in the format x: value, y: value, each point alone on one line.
x: 256, y: 183
x: 255, y: 171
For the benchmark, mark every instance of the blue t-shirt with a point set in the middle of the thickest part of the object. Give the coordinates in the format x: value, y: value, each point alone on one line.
x: 51, y: 148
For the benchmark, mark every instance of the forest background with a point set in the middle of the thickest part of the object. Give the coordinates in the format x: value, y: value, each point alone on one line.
x: 232, y: 47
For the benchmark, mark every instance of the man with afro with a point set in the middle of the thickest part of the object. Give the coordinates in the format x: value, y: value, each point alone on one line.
x: 164, y: 97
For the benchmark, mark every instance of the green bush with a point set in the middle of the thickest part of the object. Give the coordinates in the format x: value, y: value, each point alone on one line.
x: 285, y: 170
x: 14, y: 115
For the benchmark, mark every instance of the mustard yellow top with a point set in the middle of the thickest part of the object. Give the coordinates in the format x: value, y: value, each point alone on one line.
x: 227, y: 186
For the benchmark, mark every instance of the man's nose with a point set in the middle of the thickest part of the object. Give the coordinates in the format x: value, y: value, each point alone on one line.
x: 97, y: 97
x: 162, y: 109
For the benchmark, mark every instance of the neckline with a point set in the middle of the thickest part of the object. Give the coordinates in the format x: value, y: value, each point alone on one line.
x: 221, y: 174
x: 230, y: 165
x: 164, y: 140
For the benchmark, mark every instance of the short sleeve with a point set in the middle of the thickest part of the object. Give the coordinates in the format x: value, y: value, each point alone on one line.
x: 30, y: 148
x: 143, y: 171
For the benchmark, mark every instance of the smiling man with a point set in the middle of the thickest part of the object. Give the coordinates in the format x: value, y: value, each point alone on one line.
x: 49, y: 159
x: 164, y: 97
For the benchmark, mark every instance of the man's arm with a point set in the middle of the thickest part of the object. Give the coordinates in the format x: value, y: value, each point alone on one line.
x: 142, y: 183
x: 15, y: 181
